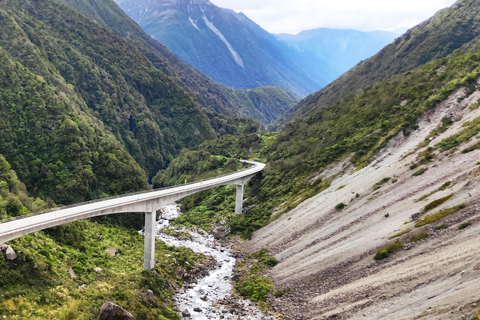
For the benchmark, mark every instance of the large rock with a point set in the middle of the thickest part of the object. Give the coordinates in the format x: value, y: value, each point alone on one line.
x: 9, y: 252
x: 113, y: 252
x: 111, y: 311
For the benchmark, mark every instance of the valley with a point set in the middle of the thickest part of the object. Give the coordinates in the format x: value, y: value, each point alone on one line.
x: 366, y: 205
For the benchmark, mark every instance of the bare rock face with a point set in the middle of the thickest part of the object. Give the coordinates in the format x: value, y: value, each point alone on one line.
x: 111, y: 311
x: 9, y: 252
x: 112, y: 252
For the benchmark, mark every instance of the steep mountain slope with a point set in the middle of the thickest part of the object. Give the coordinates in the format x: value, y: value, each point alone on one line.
x: 397, y: 239
x: 224, y: 45
x: 58, y: 149
x: 339, y: 50
x: 448, y: 30
x: 208, y: 93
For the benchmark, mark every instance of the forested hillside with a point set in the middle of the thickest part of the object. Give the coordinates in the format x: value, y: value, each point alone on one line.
x: 453, y: 28
x: 210, y: 94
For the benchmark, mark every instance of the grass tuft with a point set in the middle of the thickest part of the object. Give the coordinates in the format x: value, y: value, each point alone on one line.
x: 419, y: 172
x: 388, y: 250
x: 379, y: 184
x: 401, y: 233
x: 464, y: 225
x: 434, y: 204
x: 439, y: 215
x: 418, y: 237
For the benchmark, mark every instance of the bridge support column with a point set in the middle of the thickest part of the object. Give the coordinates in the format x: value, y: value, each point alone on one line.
x: 149, y: 250
x: 239, y: 200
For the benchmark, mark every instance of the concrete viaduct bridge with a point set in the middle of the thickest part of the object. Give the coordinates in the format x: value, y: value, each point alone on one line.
x: 148, y: 202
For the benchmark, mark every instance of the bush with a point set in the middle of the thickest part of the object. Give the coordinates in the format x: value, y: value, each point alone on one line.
x: 418, y: 237
x: 419, y: 172
x: 432, y: 205
x: 439, y: 215
x: 263, y: 256
x: 386, y: 251
x: 441, y: 227
x: 340, y: 206
x: 464, y: 225
x: 255, y: 288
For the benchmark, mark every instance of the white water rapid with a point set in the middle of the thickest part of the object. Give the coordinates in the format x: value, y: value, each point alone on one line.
x: 201, y: 299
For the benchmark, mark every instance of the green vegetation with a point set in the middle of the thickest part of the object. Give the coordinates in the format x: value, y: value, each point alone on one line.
x: 441, y: 227
x: 419, y: 172
x: 388, y: 250
x: 418, y: 237
x: 281, y: 292
x: 255, y: 287
x: 444, y: 187
x: 471, y: 128
x: 37, y: 285
x: 379, y: 184
x: 263, y: 256
x: 340, y: 188
x: 439, y: 215
x: 340, y: 206
x: 14, y: 200
x: 401, y: 233
x: 432, y: 205
x: 195, y: 166
x: 464, y: 225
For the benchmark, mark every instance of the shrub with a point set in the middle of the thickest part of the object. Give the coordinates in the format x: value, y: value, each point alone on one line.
x: 439, y: 215
x: 255, y: 288
x: 281, y: 292
x: 418, y: 237
x: 464, y: 225
x: 341, y: 187
x: 389, y: 249
x: 379, y: 184
x: 441, y: 227
x: 432, y: 205
x: 263, y: 256
x: 340, y: 206
x: 419, y: 172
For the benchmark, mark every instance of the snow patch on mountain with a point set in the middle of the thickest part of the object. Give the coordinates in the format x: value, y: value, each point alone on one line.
x: 193, y: 23
x: 235, y: 55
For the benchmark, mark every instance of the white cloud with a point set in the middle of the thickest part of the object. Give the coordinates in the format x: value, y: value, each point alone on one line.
x: 278, y: 16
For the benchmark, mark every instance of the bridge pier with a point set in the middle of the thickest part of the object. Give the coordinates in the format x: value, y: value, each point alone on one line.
x: 239, y: 199
x: 149, y: 250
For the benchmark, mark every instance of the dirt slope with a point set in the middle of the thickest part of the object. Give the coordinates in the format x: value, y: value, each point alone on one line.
x: 327, y: 256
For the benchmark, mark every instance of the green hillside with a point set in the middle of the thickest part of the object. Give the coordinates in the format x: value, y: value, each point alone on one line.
x: 210, y: 94
x: 454, y: 28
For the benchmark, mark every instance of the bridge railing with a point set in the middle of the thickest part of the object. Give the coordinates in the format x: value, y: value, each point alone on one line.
x: 113, y: 197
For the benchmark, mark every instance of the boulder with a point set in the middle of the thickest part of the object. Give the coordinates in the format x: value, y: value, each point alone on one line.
x: 111, y: 311
x: 113, y: 252
x: 81, y: 287
x: 150, y: 296
x: 97, y: 270
x: 219, y: 232
x: 186, y: 314
x: 9, y: 252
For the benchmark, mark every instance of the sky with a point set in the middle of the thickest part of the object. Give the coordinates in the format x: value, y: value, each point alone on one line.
x: 293, y: 16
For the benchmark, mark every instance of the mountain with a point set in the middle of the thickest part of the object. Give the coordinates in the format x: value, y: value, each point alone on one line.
x: 339, y: 50
x: 225, y: 45
x: 454, y: 28
x: 204, y: 90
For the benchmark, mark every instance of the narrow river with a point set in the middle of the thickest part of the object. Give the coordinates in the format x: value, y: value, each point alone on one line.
x: 200, y: 300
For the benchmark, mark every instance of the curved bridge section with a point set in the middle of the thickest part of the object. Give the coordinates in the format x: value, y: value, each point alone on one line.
x: 148, y: 203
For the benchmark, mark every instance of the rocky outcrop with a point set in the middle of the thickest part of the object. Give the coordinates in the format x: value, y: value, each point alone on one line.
x: 111, y: 311
x: 112, y: 252
x: 8, y: 251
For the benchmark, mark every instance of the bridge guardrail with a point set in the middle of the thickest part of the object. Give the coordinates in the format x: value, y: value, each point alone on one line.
x: 116, y: 197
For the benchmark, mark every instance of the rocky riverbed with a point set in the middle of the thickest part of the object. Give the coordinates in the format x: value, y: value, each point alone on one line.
x: 210, y: 297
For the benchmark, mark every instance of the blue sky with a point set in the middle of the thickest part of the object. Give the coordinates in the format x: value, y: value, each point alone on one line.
x: 293, y: 16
